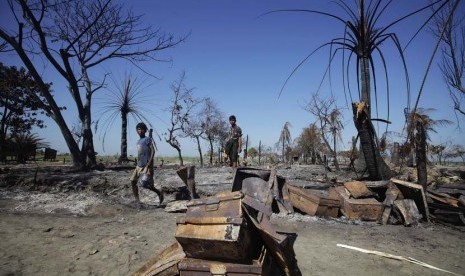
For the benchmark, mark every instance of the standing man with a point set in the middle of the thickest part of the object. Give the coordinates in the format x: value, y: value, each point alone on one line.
x: 234, y: 143
x: 145, y: 154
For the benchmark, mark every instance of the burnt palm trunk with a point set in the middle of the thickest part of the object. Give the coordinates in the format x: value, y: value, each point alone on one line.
x: 124, y: 138
x: 336, y: 163
x: 375, y: 165
x: 284, y: 159
x: 420, y: 151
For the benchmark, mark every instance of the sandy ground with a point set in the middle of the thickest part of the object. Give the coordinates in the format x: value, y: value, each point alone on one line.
x: 66, y: 223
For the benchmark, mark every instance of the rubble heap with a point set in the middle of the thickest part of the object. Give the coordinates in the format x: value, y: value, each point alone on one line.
x: 231, y: 232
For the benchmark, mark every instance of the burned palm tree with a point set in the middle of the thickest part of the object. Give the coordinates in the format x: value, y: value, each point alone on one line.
x: 419, y: 127
x: 362, y: 40
x: 335, y: 128
x: 128, y: 100
x: 285, y: 138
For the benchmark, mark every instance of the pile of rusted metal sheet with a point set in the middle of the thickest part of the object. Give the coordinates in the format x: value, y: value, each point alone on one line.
x: 447, y: 203
x: 231, y: 233
x: 394, y: 201
x: 387, y: 202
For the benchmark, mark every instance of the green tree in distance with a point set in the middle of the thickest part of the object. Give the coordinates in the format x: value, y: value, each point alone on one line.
x: 18, y: 106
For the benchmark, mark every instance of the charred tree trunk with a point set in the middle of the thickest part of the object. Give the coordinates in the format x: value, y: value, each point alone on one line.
x: 199, y: 148
x: 210, y: 140
x: 334, y: 151
x: 420, y: 150
x: 124, y: 138
x: 87, y: 150
x: 377, y: 168
x: 395, y: 154
x: 313, y: 157
x: 178, y: 149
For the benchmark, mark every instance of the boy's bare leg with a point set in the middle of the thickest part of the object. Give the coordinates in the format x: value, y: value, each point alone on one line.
x: 135, y: 191
x: 158, y: 192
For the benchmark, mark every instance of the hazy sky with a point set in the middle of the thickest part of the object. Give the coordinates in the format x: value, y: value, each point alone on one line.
x: 241, y: 60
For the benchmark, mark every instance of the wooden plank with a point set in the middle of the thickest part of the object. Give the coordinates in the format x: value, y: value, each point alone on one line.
x: 462, y: 200
x: 391, y: 195
x: 368, y: 209
x: 377, y: 184
x: 408, y: 210
x: 187, y: 175
x: 451, y: 191
x: 413, y: 191
x: 454, y: 185
x: 191, y: 266
x: 303, y: 200
x: 314, y: 202
x: 443, y: 198
x: 163, y: 264
x: 358, y: 189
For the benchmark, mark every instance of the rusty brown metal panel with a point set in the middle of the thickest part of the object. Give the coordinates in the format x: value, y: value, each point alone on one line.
x: 214, y: 228
x: 257, y: 205
x: 187, y: 175
x: 264, y: 185
x: 314, y: 202
x: 245, y: 172
x: 408, y: 211
x: 224, y: 204
x: 358, y: 189
x: 368, y: 209
x: 391, y: 194
x: 415, y: 192
x: 302, y: 200
x: 280, y: 194
x: 223, y: 241
x: 256, y: 187
x: 279, y: 244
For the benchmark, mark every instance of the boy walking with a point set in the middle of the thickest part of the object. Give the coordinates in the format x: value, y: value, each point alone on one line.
x: 145, y: 155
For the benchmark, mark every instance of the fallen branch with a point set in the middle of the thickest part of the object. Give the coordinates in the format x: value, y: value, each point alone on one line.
x: 396, y: 257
